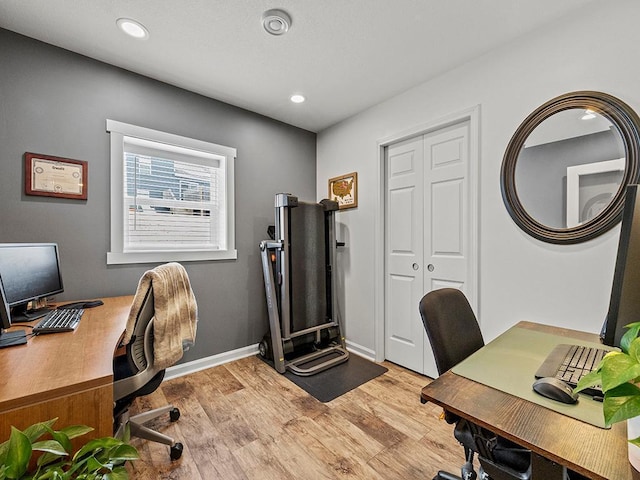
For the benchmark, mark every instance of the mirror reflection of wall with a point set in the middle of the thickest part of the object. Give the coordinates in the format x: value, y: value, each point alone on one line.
x: 591, y: 187
x: 562, y: 141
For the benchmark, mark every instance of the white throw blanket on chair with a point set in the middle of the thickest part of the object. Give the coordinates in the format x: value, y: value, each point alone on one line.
x: 175, y: 312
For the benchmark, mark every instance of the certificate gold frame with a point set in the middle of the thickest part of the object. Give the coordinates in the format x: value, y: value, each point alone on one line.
x: 50, y: 176
x: 344, y: 190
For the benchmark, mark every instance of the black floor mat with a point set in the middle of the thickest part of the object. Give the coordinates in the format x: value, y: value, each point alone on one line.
x: 338, y: 380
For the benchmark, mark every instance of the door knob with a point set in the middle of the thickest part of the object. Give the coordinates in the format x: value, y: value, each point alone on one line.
x: 430, y: 267
x: 415, y: 266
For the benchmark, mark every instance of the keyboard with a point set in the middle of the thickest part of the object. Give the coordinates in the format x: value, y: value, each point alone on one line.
x: 59, y: 321
x: 578, y: 362
x: 570, y: 363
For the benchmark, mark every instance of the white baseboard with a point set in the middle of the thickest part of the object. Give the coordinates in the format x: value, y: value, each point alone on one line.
x: 208, y: 362
x: 226, y: 357
x: 360, y: 350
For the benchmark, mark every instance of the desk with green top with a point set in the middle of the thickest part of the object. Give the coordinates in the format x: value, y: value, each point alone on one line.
x: 555, y: 440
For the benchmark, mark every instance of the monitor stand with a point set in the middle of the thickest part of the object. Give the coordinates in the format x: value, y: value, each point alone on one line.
x: 10, y: 339
x: 23, y: 315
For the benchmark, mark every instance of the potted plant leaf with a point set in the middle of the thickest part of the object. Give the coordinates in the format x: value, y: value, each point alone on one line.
x: 619, y: 375
x: 98, y: 459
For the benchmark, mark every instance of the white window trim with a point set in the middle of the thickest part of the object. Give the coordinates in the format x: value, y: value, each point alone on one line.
x: 116, y: 255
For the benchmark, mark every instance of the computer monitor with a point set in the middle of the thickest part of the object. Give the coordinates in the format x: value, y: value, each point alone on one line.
x: 624, y: 305
x: 29, y: 271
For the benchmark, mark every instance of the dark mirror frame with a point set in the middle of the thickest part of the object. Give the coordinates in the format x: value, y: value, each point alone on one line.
x: 627, y: 123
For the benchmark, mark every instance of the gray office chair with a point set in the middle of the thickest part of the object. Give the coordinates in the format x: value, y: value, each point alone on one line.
x: 137, y: 373
x: 454, y: 334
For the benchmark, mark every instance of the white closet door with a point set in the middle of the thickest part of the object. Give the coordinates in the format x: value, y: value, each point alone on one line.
x: 404, y: 334
x: 427, y: 235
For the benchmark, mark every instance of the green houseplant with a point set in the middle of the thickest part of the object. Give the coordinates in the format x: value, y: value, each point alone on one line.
x: 98, y: 459
x: 618, y: 374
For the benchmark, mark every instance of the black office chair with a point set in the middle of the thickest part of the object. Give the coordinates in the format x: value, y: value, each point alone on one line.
x: 454, y: 334
x: 140, y: 372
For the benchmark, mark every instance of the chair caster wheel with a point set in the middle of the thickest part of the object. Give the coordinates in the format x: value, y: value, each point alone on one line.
x: 174, y: 414
x: 176, y: 451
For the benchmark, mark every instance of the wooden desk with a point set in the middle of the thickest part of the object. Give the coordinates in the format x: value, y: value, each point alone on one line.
x: 66, y: 375
x: 591, y: 451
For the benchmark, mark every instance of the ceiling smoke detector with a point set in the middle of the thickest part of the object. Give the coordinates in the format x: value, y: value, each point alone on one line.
x: 276, y: 22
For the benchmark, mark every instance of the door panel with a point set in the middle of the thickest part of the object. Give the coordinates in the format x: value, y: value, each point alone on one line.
x: 401, y: 330
x: 404, y: 335
x: 437, y: 283
x: 403, y: 204
x: 427, y: 235
x: 446, y: 220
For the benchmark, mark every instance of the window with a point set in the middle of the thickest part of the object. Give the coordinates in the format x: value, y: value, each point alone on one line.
x: 171, y: 197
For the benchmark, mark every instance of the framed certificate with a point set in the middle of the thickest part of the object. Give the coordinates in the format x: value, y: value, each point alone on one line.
x: 55, y: 177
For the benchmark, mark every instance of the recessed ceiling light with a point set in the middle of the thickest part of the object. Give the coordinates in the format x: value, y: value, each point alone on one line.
x: 132, y: 28
x: 297, y: 98
x: 276, y: 22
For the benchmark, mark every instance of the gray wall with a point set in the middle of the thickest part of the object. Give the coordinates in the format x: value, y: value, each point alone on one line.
x: 54, y: 102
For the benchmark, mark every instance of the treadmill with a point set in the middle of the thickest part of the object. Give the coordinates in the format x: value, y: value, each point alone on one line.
x: 298, y: 264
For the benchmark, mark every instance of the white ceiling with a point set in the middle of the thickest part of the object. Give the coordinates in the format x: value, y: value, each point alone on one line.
x: 343, y: 55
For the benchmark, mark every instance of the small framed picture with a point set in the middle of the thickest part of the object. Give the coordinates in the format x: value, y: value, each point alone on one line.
x: 344, y: 190
x: 55, y: 177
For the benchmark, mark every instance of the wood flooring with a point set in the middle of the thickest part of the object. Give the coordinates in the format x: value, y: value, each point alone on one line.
x: 243, y: 420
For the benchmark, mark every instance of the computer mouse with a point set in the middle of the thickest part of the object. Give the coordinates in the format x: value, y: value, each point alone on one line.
x: 555, y: 389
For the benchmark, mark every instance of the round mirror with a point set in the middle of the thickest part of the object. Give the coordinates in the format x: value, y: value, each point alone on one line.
x: 566, y: 168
